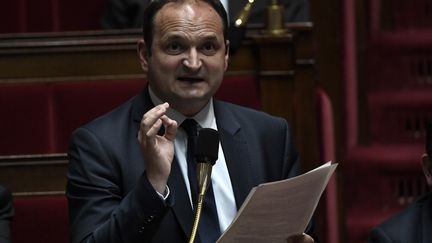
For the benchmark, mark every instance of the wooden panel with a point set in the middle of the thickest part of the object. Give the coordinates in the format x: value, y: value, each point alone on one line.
x: 66, y: 56
x: 288, y: 87
x: 34, y: 174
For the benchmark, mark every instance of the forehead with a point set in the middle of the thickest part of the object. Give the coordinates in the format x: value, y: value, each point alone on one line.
x: 188, y: 17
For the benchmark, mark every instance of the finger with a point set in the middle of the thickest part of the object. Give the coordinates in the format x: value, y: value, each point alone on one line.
x: 308, y: 238
x: 170, y: 127
x: 150, y: 118
x: 146, y: 139
x: 154, y: 129
x: 304, y: 238
x: 155, y: 113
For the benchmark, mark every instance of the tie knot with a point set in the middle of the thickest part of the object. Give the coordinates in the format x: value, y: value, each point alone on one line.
x: 191, y: 127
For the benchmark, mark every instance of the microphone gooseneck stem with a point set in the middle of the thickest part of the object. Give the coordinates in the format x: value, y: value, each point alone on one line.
x: 204, y: 179
x: 197, y: 218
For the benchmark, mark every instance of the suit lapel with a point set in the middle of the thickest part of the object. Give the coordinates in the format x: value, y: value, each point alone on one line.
x: 236, y: 152
x: 181, y: 208
x: 426, y: 214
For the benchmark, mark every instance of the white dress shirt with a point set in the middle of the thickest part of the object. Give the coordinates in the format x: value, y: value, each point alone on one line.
x: 221, y: 182
x: 225, y: 4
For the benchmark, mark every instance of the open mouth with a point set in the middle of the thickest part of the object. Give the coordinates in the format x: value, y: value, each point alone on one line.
x: 190, y: 79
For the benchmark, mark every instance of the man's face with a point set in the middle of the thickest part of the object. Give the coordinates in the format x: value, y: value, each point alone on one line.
x: 188, y: 55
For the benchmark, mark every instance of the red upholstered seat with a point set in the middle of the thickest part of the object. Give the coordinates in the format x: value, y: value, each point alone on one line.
x: 11, y: 17
x: 329, y: 203
x: 23, y: 16
x: 40, y: 219
x: 77, y: 103
x: 26, y: 119
x: 242, y: 90
x: 79, y: 14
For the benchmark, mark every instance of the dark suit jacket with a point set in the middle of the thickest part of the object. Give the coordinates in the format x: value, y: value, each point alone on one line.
x: 413, y: 224
x: 6, y: 214
x: 120, y: 14
x: 110, y: 199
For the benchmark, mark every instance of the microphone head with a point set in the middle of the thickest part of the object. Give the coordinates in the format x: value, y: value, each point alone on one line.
x: 207, y: 148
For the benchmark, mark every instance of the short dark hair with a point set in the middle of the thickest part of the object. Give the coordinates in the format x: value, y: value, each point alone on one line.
x: 429, y: 139
x: 155, y: 5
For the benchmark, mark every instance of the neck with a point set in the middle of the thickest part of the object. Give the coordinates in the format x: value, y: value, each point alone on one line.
x: 190, y: 109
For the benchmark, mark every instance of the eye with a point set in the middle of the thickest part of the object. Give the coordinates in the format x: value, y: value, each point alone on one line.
x: 174, y: 48
x: 209, y: 48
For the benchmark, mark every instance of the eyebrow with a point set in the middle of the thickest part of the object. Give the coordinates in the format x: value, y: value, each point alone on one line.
x: 175, y: 36
x: 211, y: 38
x: 170, y: 37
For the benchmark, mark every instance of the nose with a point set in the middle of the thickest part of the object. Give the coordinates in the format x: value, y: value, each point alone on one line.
x: 192, y: 62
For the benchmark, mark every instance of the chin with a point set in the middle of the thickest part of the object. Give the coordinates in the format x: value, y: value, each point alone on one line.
x: 193, y: 92
x: 195, y: 96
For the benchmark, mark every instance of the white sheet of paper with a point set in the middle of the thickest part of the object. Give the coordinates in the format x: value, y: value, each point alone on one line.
x: 274, y: 211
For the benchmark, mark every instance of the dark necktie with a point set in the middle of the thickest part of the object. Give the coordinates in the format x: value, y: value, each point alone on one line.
x: 208, y: 229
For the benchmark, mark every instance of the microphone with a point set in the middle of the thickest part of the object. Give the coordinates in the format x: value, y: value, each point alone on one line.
x: 206, y: 154
x: 207, y: 149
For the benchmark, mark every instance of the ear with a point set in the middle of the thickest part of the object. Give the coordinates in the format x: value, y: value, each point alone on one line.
x: 227, y: 46
x: 427, y: 168
x: 143, y: 55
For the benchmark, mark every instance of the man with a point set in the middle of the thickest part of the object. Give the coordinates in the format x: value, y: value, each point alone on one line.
x: 120, y: 14
x: 6, y: 214
x: 128, y: 175
x: 414, y: 223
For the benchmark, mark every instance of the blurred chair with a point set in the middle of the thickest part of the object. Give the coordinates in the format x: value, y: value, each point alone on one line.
x: 330, y: 204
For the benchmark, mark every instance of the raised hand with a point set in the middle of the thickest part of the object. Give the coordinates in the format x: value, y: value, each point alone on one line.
x: 158, y: 150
